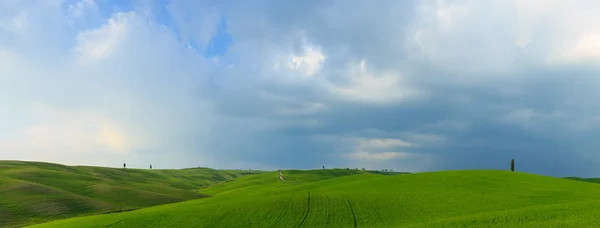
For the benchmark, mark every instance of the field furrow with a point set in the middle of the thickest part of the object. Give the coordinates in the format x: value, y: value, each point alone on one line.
x: 307, y: 211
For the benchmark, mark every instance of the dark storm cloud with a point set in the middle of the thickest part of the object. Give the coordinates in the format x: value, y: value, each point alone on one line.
x: 532, y: 119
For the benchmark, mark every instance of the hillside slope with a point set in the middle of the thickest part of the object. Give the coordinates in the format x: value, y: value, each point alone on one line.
x: 34, y: 192
x: 435, y: 199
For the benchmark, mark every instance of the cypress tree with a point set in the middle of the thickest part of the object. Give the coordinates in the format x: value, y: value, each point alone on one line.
x: 512, y: 165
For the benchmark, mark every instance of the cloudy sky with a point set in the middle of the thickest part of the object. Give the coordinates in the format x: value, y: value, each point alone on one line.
x: 404, y: 85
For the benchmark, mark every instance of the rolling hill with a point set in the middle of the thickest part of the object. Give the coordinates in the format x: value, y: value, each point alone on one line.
x: 35, y: 192
x: 346, y: 198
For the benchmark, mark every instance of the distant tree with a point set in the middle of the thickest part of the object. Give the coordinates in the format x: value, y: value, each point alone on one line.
x: 124, y: 165
x: 150, y: 166
x: 323, y: 167
x: 512, y: 165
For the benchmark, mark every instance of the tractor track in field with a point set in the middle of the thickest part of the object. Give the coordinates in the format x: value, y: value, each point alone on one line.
x: 353, y: 214
x: 220, y: 218
x: 307, y: 211
x: 328, y: 212
x: 112, y: 224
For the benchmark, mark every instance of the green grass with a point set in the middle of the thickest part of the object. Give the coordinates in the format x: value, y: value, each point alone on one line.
x: 349, y: 198
x: 590, y: 180
x: 36, y: 192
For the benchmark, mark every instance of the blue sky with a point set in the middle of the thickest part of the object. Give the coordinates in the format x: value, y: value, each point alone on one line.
x: 411, y: 86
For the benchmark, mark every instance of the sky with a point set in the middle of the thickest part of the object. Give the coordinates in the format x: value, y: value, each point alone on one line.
x: 404, y: 85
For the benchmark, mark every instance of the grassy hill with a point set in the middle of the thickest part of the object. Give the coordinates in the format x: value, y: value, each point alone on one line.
x: 346, y: 198
x: 590, y: 180
x: 34, y: 192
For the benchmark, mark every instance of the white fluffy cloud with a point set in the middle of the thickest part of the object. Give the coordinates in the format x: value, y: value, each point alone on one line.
x: 122, y: 91
x: 80, y: 8
x: 366, y: 86
x: 99, y: 43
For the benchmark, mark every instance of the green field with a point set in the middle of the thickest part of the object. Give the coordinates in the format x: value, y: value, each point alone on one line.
x: 349, y: 198
x: 35, y: 192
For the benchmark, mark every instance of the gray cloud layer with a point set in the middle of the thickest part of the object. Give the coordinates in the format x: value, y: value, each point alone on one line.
x: 406, y: 86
